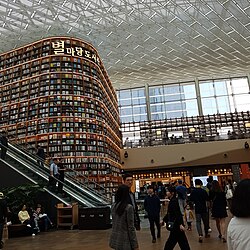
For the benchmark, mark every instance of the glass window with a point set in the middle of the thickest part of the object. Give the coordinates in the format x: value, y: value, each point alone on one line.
x: 158, y: 116
x: 190, y: 107
x: 139, y: 110
x: 126, y: 119
x: 171, y: 89
x: 240, y: 86
x: 220, y: 88
x: 209, y: 106
x: 173, y: 97
x: 124, y: 94
x: 206, y: 89
x: 157, y: 108
x: 138, y: 92
x: 223, y: 104
x: 242, y: 102
x: 177, y: 114
x: 155, y: 91
x: 173, y: 106
x: 125, y: 102
x: 156, y: 99
x: 137, y: 101
x: 189, y: 91
x: 126, y: 111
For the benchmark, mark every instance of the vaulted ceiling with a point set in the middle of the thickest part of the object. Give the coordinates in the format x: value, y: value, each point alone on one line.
x: 141, y: 41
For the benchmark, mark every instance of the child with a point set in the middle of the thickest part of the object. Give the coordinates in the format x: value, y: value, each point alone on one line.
x: 189, y: 217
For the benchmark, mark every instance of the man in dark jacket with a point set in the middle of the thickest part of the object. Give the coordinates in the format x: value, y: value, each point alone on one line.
x: 152, y: 205
x: 200, y: 198
x: 3, y: 217
x: 128, y: 180
x: 41, y: 156
x: 4, y: 144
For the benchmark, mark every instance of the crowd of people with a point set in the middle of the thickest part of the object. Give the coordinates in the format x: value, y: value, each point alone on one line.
x: 185, y: 205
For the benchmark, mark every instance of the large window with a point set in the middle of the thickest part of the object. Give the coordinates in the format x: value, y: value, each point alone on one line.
x: 132, y: 105
x: 223, y: 96
x: 179, y: 100
x: 175, y: 100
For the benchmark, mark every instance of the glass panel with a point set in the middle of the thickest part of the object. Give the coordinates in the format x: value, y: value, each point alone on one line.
x: 137, y: 101
x: 138, y: 92
x: 240, y: 86
x: 174, y: 114
x: 126, y: 119
x: 190, y: 108
x: 220, y: 88
x: 158, y: 116
x: 156, y: 99
x: 242, y: 102
x: 126, y: 111
x: 174, y: 97
x: 173, y: 106
x: 155, y: 91
x: 139, y: 110
x: 223, y: 104
x: 125, y: 94
x: 125, y: 102
x: 189, y: 91
x: 157, y: 108
x: 206, y: 89
x: 171, y: 89
x: 208, y: 106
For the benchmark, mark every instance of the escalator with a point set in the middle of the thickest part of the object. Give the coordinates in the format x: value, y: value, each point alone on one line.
x: 86, y: 193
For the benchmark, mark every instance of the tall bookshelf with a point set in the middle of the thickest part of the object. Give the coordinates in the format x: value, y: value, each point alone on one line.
x: 56, y: 93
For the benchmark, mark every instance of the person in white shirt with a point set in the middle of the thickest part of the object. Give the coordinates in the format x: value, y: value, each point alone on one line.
x: 238, y: 232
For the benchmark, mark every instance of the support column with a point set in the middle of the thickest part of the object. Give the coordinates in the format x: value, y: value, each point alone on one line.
x: 198, y: 95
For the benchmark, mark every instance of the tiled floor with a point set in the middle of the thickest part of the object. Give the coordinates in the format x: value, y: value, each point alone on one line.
x: 98, y: 240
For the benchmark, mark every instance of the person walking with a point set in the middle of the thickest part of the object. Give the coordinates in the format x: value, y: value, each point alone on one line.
x: 238, y: 231
x: 41, y: 156
x: 229, y: 193
x: 4, y: 144
x: 128, y: 181
x: 152, y: 205
x: 200, y: 198
x: 219, y: 211
x: 189, y: 217
x: 182, y: 195
x: 123, y: 235
x: 174, y: 215
x: 3, y: 217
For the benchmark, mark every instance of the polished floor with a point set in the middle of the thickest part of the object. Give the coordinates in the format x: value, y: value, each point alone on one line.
x: 98, y: 240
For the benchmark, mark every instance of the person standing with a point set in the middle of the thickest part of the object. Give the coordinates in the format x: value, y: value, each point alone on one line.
x: 54, y: 173
x: 3, y: 217
x: 61, y: 171
x: 174, y: 215
x: 128, y: 181
x: 189, y: 217
x: 229, y: 193
x: 152, y: 205
x: 123, y: 235
x: 4, y: 145
x: 219, y: 211
x: 182, y: 195
x: 41, y: 156
x: 238, y: 231
x: 200, y: 198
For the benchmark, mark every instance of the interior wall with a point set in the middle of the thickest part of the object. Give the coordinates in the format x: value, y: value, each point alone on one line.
x: 191, y: 154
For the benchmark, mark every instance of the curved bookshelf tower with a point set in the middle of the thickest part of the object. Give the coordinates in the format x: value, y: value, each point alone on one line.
x: 56, y: 93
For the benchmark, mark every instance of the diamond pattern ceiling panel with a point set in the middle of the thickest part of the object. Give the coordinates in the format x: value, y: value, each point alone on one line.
x: 141, y: 41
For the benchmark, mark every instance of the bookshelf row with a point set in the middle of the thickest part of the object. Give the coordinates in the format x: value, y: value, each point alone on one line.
x: 195, y: 126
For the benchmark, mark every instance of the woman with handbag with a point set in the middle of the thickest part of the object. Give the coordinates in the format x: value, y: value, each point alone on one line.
x: 174, y: 223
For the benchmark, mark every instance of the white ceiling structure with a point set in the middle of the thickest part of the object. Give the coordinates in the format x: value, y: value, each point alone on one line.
x: 141, y: 41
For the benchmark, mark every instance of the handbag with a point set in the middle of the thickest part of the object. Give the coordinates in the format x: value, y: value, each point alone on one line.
x: 229, y: 194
